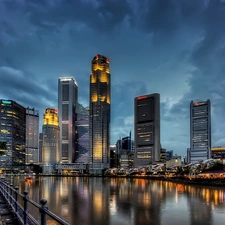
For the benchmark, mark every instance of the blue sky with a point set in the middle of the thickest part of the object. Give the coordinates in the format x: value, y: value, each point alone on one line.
x: 172, y: 47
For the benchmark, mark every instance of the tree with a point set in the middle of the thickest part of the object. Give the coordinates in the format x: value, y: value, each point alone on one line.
x: 3, y: 147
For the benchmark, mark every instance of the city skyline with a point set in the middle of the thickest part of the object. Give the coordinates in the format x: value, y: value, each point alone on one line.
x: 174, y: 48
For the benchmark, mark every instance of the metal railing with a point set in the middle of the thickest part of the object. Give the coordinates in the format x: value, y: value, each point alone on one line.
x: 12, y: 196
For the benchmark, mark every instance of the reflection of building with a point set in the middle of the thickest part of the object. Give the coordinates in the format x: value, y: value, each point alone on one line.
x: 218, y: 152
x: 147, y: 129
x: 67, y: 102
x: 50, y: 148
x: 203, y: 216
x: 200, y: 131
x: 99, y: 124
x: 32, y: 135
x: 83, y: 130
x: 13, y: 132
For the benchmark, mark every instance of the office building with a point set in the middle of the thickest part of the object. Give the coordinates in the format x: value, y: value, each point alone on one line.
x: 163, y: 155
x: 50, y: 145
x: 82, y: 124
x: 40, y: 146
x: 218, y: 152
x: 32, y: 136
x: 13, y: 132
x: 200, y: 131
x: 169, y: 154
x: 147, y: 129
x: 67, y: 102
x: 99, y: 124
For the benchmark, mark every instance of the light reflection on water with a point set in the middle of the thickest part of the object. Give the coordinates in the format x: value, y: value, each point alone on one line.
x: 115, y: 201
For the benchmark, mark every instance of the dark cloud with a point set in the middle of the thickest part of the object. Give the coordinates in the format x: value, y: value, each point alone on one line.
x: 21, y: 87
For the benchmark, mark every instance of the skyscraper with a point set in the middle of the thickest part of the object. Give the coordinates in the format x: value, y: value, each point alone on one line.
x: 67, y: 102
x: 50, y: 145
x: 200, y: 130
x: 99, y: 124
x: 32, y: 135
x: 147, y: 129
x: 83, y: 131
x: 13, y: 132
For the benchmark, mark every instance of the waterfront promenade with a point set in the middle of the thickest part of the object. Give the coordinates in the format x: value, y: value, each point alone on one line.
x: 6, y: 214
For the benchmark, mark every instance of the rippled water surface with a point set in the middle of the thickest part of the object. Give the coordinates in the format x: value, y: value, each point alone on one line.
x: 123, y: 201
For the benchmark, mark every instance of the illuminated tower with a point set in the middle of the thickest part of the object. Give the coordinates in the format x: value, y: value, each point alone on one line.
x: 50, y: 147
x: 200, y: 131
x: 32, y: 135
x: 99, y: 124
x: 67, y: 102
x: 147, y: 129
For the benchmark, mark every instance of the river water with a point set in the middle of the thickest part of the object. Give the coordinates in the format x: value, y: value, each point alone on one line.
x: 124, y: 201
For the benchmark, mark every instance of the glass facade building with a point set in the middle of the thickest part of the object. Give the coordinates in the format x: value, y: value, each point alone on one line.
x: 67, y: 102
x: 200, y: 131
x: 99, y: 121
x: 50, y: 144
x: 32, y: 136
x: 82, y: 124
x: 13, y: 132
x: 147, y: 129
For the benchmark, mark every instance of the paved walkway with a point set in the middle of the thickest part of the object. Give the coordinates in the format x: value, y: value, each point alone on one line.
x: 7, y: 216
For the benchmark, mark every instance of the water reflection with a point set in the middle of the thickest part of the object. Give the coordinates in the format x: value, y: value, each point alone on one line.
x: 115, y: 201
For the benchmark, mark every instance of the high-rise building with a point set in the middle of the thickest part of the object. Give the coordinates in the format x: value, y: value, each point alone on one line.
x: 67, y: 102
x: 99, y: 124
x: 147, y: 129
x: 50, y: 145
x: 169, y: 154
x: 32, y: 136
x: 13, y: 132
x: 40, y: 146
x: 200, y: 131
x: 82, y: 124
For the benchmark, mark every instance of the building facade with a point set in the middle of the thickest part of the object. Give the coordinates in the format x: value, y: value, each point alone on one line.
x: 40, y: 146
x: 50, y: 145
x: 99, y: 116
x: 218, y: 152
x: 200, y: 131
x: 67, y: 102
x: 13, y: 132
x: 82, y: 124
x: 147, y: 129
x: 32, y: 136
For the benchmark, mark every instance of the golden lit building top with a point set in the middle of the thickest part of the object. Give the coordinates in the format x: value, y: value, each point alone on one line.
x: 51, y: 117
x: 100, y: 74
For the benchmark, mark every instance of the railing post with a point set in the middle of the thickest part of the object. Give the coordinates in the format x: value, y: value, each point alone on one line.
x: 11, y: 193
x: 42, y: 210
x: 16, y: 197
x: 25, y: 210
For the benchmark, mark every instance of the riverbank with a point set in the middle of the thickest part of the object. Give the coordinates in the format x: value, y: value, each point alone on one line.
x: 7, y: 216
x: 178, y: 179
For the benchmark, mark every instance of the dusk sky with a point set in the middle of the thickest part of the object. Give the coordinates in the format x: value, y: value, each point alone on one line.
x: 172, y: 47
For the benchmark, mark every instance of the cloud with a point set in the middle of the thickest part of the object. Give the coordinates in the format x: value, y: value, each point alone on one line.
x: 26, y: 90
